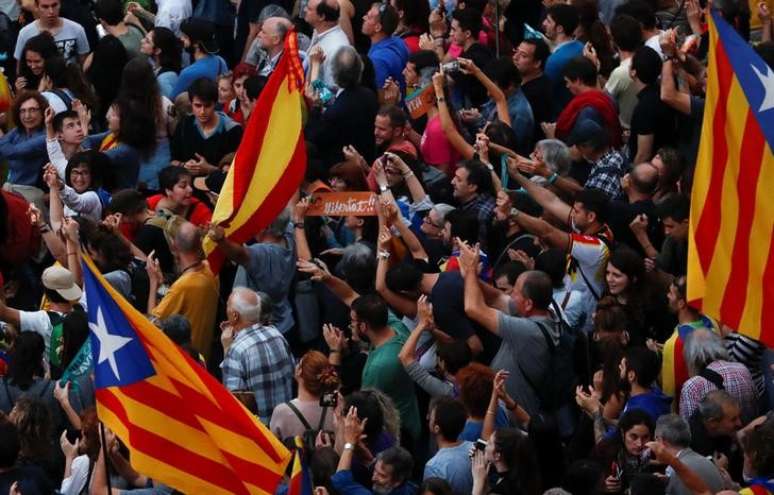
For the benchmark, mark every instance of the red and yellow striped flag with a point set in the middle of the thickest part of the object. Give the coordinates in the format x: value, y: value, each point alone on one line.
x: 731, y: 247
x: 182, y: 427
x: 270, y: 161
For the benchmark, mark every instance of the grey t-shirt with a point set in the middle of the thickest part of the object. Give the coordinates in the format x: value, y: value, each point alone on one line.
x: 70, y: 40
x: 524, y: 348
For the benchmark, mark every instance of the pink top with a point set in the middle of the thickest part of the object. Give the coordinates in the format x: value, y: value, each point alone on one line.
x: 436, y: 149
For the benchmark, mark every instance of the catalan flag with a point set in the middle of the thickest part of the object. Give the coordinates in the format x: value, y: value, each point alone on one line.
x: 300, y: 482
x: 270, y: 161
x: 182, y: 427
x: 731, y: 247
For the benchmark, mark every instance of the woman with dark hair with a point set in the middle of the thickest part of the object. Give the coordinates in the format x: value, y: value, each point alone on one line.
x: 104, y: 73
x: 37, y: 426
x: 413, y: 18
x: 671, y: 167
x: 435, y: 486
x: 63, y: 83
x: 631, y: 286
x: 347, y: 176
x: 164, y: 51
x: 510, y: 452
x: 622, y: 453
x: 81, y: 456
x: 32, y: 64
x: 139, y: 86
x: 24, y: 146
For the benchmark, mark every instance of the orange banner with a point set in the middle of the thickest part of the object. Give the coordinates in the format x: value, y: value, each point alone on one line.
x: 342, y: 204
x: 419, y: 102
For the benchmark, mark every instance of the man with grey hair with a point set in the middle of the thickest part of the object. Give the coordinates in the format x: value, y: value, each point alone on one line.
x: 257, y: 357
x: 266, y: 50
x: 715, y: 429
x: 711, y: 369
x: 269, y: 265
x: 194, y: 294
x: 674, y: 435
x: 349, y: 119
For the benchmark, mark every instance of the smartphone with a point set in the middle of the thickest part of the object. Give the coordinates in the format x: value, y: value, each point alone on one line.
x: 480, y: 445
x: 453, y: 66
x: 329, y: 400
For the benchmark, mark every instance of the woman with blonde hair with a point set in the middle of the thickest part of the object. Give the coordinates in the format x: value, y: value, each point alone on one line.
x: 317, y: 379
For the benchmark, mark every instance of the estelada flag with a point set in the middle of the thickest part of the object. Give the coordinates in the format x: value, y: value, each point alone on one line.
x: 271, y: 159
x: 300, y: 483
x: 731, y: 247
x: 182, y: 427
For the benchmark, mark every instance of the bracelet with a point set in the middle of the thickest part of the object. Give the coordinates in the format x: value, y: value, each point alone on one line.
x: 553, y: 178
x: 44, y: 228
x: 408, y: 174
x: 383, y: 254
x: 299, y: 225
x: 383, y: 189
x: 440, y: 99
x: 514, y: 212
x: 491, y: 411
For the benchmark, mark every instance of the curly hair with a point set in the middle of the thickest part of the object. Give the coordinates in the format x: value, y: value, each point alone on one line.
x: 34, y: 422
x: 21, y: 98
x: 317, y: 373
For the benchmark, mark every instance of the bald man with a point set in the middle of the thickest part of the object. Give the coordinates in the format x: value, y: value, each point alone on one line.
x: 638, y: 186
x: 267, y: 48
x: 194, y: 294
x: 323, y: 16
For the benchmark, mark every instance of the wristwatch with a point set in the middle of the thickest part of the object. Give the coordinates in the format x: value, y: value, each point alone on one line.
x: 383, y: 189
x: 348, y: 446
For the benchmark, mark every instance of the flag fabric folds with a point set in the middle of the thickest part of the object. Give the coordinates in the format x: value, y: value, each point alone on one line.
x: 182, y: 427
x: 270, y: 161
x: 300, y: 482
x: 731, y: 247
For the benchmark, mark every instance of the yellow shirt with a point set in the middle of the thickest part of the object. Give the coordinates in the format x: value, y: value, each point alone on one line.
x: 195, y: 296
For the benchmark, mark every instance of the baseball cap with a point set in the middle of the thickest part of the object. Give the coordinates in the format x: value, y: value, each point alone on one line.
x: 200, y: 31
x: 61, y: 280
x: 587, y: 132
x: 212, y: 183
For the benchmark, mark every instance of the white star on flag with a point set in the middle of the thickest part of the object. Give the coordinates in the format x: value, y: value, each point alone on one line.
x: 108, y: 344
x: 767, y: 80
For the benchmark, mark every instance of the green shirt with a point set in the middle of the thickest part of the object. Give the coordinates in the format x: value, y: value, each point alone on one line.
x: 384, y: 372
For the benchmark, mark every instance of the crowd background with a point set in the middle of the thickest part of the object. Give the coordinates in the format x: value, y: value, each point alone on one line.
x: 513, y: 319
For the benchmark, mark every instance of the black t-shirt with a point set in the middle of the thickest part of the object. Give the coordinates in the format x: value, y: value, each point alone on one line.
x: 538, y: 93
x: 31, y: 478
x: 621, y: 213
x: 473, y: 90
x: 651, y: 116
x: 150, y: 238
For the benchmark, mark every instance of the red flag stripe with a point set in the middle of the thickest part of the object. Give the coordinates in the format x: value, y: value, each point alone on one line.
x: 275, y: 200
x: 158, y: 447
x: 750, y: 156
x: 709, y: 224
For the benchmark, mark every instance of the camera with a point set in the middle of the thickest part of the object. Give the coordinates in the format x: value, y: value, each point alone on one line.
x: 329, y: 400
x: 480, y: 445
x: 453, y: 66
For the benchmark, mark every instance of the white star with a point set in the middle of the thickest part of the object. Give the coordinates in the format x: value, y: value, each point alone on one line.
x: 767, y: 80
x: 108, y: 344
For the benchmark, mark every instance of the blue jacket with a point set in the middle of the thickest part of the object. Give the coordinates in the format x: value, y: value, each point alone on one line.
x: 26, y: 155
x: 389, y: 57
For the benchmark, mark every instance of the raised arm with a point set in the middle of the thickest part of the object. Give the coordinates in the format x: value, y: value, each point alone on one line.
x: 233, y: 251
x: 545, y: 198
x: 55, y: 206
x: 492, y: 89
x: 447, y: 123
x: 475, y: 306
x: 402, y: 304
x: 425, y: 313
x: 320, y: 273
x: 415, y: 188
x: 298, y: 213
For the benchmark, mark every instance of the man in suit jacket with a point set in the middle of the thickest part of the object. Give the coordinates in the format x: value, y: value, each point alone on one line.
x: 349, y: 120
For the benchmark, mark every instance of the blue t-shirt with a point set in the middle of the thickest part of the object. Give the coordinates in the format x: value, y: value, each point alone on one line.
x: 389, y: 56
x: 472, y: 430
x: 554, y: 67
x: 210, y: 67
x: 453, y: 465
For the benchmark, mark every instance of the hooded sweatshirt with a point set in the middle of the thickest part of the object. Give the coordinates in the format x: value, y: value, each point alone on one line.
x: 389, y: 57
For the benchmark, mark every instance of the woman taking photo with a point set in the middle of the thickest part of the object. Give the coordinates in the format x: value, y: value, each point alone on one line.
x: 164, y: 51
x: 510, y: 454
x: 80, y: 193
x: 622, y: 453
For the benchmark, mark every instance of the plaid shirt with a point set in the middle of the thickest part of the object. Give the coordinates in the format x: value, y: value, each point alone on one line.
x: 606, y: 174
x: 259, y: 359
x: 482, y: 206
x: 737, y: 382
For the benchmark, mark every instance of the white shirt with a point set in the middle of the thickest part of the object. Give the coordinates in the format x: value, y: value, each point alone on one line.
x: 171, y: 13
x: 654, y: 43
x: 330, y: 41
x: 79, y: 473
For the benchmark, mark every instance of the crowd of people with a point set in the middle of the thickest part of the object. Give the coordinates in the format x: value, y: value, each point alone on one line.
x: 512, y: 316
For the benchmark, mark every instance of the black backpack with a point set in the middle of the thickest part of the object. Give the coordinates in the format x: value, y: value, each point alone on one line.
x: 568, y: 366
x: 310, y: 434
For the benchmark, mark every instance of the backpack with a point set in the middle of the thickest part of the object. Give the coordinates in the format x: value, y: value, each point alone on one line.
x: 140, y: 284
x: 310, y: 434
x: 568, y: 366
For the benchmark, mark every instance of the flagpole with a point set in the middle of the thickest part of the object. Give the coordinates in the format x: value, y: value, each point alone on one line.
x: 105, y: 455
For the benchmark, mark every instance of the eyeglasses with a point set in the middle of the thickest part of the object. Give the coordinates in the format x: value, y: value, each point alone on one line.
x: 430, y: 222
